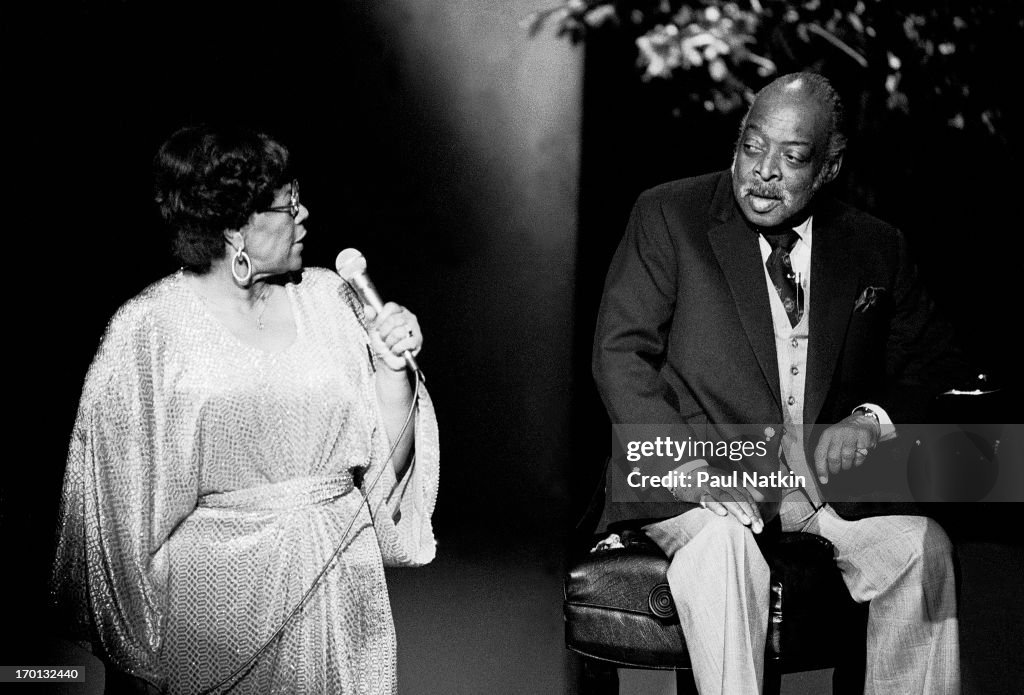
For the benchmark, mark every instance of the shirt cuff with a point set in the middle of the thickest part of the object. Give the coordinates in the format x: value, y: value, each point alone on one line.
x: 690, y: 467
x: 887, y: 429
x: 684, y: 472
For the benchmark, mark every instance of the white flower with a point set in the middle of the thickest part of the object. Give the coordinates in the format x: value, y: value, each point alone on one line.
x: 718, y: 70
x: 660, y: 52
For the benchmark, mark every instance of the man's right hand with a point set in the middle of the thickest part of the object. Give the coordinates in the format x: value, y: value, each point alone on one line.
x: 738, y: 502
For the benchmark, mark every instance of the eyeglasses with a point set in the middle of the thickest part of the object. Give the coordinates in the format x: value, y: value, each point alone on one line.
x: 292, y: 207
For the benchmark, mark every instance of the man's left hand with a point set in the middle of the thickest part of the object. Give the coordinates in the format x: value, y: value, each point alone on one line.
x: 845, y: 444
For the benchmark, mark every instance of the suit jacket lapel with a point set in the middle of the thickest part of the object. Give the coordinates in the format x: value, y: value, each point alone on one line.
x: 739, y: 256
x: 833, y: 289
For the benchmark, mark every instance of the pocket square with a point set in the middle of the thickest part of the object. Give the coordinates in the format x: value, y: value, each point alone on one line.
x: 867, y: 298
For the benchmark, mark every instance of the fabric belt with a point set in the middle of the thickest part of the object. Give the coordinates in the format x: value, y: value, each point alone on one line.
x: 285, y: 495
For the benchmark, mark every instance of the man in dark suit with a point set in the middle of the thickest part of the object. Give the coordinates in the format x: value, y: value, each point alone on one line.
x: 746, y: 297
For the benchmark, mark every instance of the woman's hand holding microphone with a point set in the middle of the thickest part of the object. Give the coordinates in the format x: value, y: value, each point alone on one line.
x: 394, y: 331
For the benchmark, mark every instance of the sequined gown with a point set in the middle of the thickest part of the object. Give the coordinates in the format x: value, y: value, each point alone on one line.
x: 209, y: 482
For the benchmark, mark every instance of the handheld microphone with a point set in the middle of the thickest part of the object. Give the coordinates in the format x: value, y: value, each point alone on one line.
x: 351, y: 266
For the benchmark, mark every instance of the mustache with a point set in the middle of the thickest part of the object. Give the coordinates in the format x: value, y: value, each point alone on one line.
x: 764, y: 190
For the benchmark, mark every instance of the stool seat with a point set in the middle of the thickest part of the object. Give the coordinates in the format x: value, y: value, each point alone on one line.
x: 618, y: 608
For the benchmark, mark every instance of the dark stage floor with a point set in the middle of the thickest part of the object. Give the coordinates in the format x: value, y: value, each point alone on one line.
x: 485, y: 618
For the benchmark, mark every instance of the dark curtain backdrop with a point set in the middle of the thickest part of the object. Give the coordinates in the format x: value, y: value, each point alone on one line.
x: 439, y: 140
x: 435, y: 137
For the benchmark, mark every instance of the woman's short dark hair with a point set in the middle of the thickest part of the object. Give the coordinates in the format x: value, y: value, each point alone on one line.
x: 208, y: 180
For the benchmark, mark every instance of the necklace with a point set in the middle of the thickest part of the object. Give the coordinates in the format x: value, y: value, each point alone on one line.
x: 218, y: 306
x: 262, y: 301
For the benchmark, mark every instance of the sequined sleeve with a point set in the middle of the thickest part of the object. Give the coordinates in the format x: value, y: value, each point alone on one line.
x: 124, y: 493
x: 402, y: 509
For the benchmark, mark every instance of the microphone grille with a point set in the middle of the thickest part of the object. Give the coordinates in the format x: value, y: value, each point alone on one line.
x: 350, y: 263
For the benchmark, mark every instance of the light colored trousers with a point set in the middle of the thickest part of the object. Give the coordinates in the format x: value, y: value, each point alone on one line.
x: 901, y: 564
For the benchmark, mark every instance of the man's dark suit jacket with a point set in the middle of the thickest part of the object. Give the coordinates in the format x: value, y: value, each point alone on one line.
x: 685, y: 335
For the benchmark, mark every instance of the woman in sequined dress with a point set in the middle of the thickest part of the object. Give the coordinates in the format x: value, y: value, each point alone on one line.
x: 234, y: 420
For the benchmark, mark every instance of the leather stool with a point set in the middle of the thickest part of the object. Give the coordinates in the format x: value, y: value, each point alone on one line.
x: 619, y: 612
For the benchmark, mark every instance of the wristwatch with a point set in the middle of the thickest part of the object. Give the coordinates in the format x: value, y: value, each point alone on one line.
x: 868, y: 412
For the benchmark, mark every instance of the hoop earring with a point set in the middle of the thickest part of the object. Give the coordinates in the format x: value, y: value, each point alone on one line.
x: 241, y: 257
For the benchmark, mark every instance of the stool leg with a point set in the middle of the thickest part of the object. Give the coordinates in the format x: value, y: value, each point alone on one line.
x: 685, y: 685
x: 598, y: 678
x: 848, y: 677
x: 847, y: 681
x: 772, y: 678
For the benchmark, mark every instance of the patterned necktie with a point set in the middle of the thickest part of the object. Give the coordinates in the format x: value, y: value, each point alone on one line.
x: 780, y: 270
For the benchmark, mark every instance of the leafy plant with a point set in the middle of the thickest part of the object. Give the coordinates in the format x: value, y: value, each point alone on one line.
x: 935, y: 58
